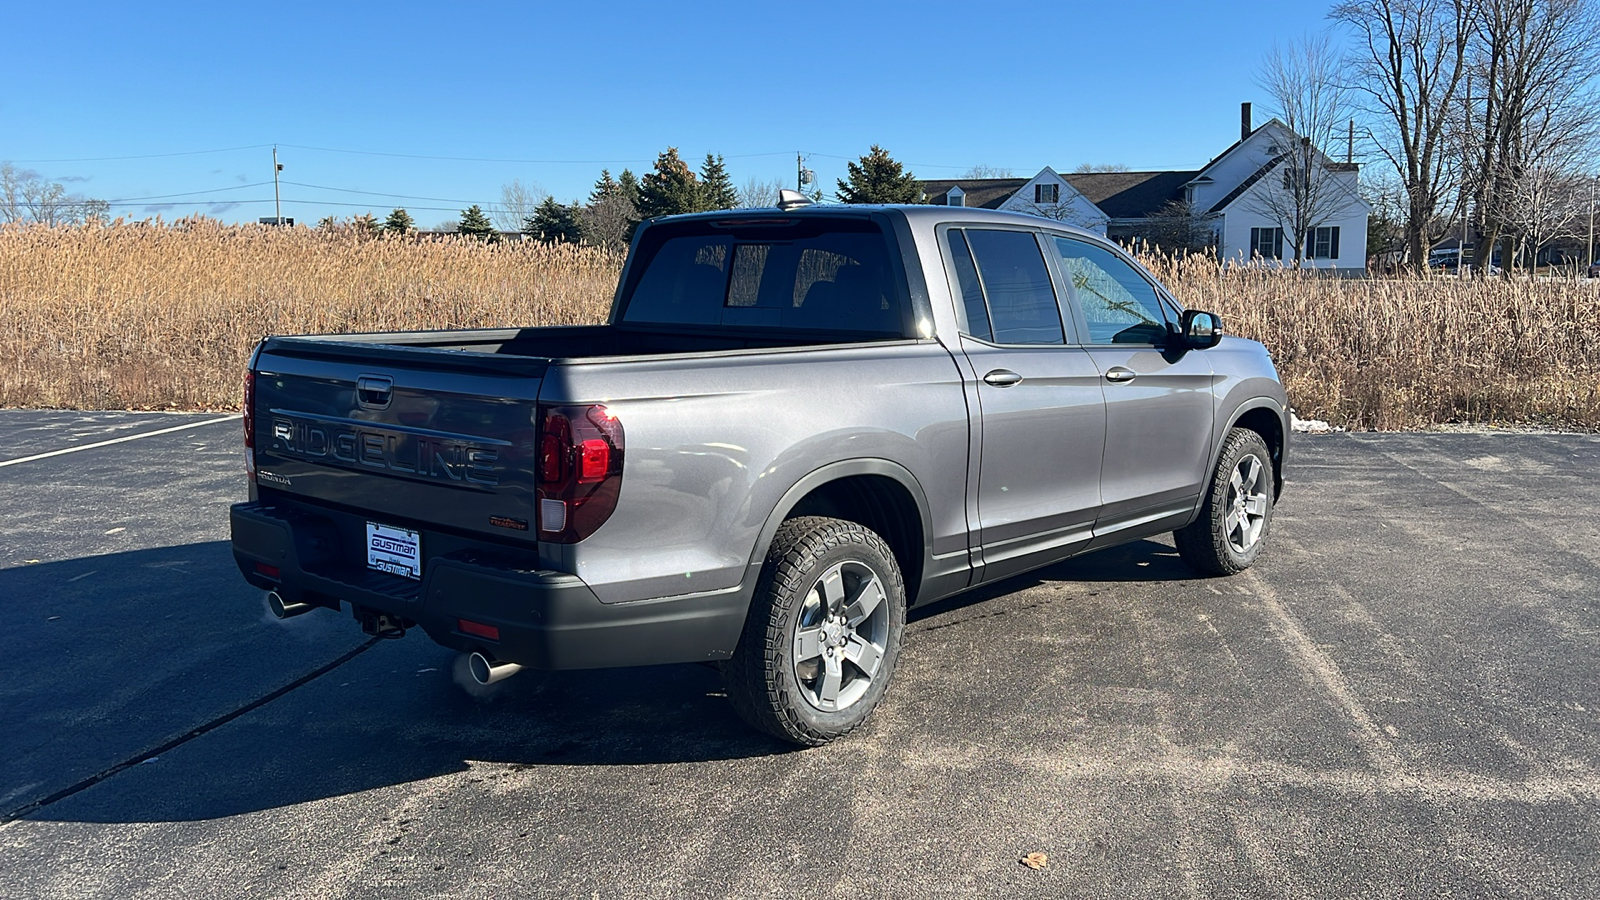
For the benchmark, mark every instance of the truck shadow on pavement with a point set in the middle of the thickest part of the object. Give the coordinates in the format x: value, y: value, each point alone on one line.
x: 392, y: 714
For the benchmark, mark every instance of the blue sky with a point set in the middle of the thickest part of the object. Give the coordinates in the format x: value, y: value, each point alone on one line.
x: 472, y: 96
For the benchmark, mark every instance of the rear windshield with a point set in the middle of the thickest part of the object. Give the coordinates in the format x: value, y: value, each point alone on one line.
x: 808, y: 274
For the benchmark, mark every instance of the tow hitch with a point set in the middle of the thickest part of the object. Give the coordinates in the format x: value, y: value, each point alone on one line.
x: 380, y: 624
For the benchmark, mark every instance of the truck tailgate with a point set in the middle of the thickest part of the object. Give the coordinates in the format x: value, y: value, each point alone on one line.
x: 401, y: 434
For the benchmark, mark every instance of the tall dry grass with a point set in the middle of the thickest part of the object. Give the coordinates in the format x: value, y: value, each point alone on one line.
x: 1412, y: 352
x: 163, y: 316
x: 154, y: 316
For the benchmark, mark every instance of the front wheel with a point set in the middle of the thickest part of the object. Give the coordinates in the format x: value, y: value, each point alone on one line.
x: 1237, y: 513
x: 823, y: 634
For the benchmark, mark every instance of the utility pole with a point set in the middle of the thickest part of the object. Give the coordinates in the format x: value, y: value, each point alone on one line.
x: 277, y: 203
x: 799, y: 172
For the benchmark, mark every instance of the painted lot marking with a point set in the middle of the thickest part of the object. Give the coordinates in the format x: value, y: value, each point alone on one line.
x: 131, y: 437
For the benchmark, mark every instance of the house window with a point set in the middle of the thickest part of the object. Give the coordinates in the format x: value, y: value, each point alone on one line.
x: 1323, y: 243
x: 1047, y: 193
x: 956, y: 197
x: 1266, y: 243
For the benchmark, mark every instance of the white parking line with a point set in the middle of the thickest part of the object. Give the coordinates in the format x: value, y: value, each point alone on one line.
x: 131, y: 437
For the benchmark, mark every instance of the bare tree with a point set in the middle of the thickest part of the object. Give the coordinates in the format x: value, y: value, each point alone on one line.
x: 1408, y: 66
x: 1178, y: 228
x: 608, y: 220
x: 1062, y: 211
x: 27, y: 196
x: 11, y: 180
x: 984, y: 170
x: 518, y: 202
x: 1538, y: 61
x: 759, y: 192
x: 1087, y: 168
x: 1303, y: 190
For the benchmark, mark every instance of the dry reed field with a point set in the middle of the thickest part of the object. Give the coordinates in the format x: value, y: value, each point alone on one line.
x: 164, y: 316
x: 159, y: 316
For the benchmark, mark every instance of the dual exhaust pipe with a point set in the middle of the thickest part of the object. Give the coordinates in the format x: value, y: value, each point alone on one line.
x: 485, y: 669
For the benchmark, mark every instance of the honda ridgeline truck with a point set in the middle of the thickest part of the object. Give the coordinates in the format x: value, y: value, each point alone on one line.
x: 796, y: 424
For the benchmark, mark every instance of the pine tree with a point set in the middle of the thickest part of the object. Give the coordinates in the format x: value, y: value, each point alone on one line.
x: 399, y: 222
x: 605, y: 187
x: 554, y: 223
x: 475, y: 224
x: 878, y: 178
x: 628, y: 184
x: 716, y: 189
x: 670, y: 188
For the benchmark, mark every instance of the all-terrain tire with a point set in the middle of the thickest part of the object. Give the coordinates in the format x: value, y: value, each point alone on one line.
x: 1234, y: 520
x: 766, y: 678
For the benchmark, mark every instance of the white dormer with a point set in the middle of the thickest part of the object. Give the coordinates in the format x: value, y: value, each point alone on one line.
x: 955, y: 197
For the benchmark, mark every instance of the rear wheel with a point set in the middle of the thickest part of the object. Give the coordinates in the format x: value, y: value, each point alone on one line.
x: 1237, y: 514
x: 823, y: 633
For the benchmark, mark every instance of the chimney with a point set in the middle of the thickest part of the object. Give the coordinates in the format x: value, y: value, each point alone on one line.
x: 1244, y: 121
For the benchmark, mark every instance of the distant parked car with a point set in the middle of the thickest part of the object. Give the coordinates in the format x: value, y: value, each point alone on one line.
x: 1594, y: 270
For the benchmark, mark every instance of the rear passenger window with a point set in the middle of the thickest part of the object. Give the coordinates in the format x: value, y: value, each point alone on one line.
x: 971, y: 290
x: 1120, y: 305
x: 1022, y: 302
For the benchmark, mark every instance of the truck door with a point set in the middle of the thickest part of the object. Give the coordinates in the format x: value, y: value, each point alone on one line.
x: 1159, y: 402
x: 1041, y: 415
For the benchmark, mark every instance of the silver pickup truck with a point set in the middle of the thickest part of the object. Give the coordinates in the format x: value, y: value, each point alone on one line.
x: 796, y: 424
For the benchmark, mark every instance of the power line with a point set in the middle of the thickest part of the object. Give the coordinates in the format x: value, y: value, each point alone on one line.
x: 323, y: 187
x: 143, y: 156
x: 237, y: 187
x: 487, y: 159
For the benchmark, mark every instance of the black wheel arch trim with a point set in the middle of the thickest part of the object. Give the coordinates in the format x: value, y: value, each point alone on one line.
x: 1239, y: 412
x: 836, y: 471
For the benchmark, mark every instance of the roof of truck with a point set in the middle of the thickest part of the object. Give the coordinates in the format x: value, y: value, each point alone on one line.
x: 921, y: 214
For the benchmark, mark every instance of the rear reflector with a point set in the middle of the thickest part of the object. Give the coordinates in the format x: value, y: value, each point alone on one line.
x: 269, y: 571
x: 478, y: 629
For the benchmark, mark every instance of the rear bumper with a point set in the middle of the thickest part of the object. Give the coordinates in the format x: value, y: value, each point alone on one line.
x: 546, y: 619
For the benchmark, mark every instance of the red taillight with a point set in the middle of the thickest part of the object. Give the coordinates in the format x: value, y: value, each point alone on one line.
x: 269, y: 571
x: 248, y: 414
x: 249, y: 410
x: 580, y: 470
x: 478, y: 629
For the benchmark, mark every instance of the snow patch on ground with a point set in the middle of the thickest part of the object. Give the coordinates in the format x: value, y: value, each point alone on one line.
x: 1310, y: 426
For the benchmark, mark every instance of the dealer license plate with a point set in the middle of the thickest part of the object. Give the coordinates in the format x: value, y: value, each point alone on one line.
x: 397, y: 551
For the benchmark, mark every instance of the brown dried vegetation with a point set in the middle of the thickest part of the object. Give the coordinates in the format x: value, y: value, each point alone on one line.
x: 163, y: 316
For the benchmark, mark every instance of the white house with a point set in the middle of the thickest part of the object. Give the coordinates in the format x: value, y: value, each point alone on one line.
x: 1243, y: 198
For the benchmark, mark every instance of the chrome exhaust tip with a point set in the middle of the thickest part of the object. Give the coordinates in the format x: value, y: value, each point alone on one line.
x: 486, y: 671
x: 283, y: 609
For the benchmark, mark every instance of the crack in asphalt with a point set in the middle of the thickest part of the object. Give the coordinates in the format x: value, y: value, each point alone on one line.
x: 34, y: 806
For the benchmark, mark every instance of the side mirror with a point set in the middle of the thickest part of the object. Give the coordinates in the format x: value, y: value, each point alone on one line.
x: 1199, y: 329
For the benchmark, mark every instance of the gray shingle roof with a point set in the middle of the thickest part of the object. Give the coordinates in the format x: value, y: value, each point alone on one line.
x: 982, y: 193
x: 1130, y: 195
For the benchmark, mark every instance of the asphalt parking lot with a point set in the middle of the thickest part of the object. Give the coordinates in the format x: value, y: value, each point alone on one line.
x: 1401, y: 700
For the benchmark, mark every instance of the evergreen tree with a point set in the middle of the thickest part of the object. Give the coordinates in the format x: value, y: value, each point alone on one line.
x: 475, y: 224
x: 716, y: 189
x: 554, y: 223
x: 628, y: 184
x: 605, y: 187
x: 878, y: 178
x: 399, y: 222
x: 670, y: 188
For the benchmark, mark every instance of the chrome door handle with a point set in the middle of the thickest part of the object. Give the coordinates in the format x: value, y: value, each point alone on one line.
x: 1120, y: 375
x: 1003, y: 378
